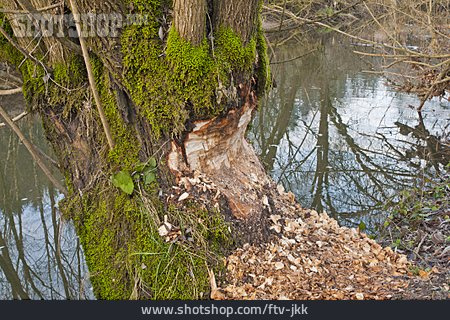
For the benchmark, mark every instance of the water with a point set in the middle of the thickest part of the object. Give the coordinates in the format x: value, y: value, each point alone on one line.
x: 40, y: 255
x: 340, y: 139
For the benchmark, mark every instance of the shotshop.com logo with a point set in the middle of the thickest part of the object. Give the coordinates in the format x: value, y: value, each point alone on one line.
x: 61, y: 26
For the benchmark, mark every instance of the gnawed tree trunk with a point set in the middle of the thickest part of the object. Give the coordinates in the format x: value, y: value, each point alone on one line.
x: 178, y: 93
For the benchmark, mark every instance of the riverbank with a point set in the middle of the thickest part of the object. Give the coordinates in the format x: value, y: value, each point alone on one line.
x: 419, y: 226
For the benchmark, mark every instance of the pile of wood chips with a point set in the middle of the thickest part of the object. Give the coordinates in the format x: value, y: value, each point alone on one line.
x: 311, y: 257
x: 308, y: 256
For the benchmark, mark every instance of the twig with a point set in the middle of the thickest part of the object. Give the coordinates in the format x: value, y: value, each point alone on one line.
x: 441, y: 78
x: 388, y: 73
x: 31, y: 149
x: 417, y: 249
x: 49, y: 159
x: 34, y: 13
x: 23, y: 51
x: 53, y: 6
x: 91, y: 77
x: 15, y: 119
x: 416, y: 54
x: 296, y: 58
x: 394, y: 40
x: 280, y: 26
x: 10, y: 91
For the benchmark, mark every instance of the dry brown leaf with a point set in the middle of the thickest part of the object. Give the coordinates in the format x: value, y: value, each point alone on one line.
x: 184, y: 196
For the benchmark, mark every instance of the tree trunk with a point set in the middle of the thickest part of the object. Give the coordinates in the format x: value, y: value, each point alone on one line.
x: 181, y: 186
x: 189, y: 19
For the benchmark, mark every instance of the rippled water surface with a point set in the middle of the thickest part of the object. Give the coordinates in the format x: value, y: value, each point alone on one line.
x: 40, y: 255
x: 341, y: 139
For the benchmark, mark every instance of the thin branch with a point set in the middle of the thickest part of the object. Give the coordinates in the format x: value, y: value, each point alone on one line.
x: 15, y: 119
x: 10, y: 91
x: 440, y: 79
x: 29, y: 9
x: 23, y: 51
x: 401, y: 75
x: 53, y: 6
x: 416, y: 54
x: 31, y: 149
x: 296, y: 58
x: 91, y: 77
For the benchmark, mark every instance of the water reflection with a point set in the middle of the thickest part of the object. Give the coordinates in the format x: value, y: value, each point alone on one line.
x: 342, y: 140
x: 40, y: 255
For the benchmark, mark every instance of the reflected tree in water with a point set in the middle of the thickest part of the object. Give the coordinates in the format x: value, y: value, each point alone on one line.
x: 40, y: 256
x: 330, y: 134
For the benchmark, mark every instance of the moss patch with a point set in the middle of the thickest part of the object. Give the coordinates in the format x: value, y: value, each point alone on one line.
x: 125, y: 153
x: 7, y: 52
x: 232, y: 55
x: 176, y: 81
x: 127, y: 258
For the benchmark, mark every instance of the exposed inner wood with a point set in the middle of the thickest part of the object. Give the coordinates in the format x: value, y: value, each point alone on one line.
x: 218, y: 149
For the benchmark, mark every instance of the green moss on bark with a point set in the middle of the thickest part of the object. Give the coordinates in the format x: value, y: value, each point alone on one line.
x: 125, y: 153
x: 232, y: 55
x: 178, y: 81
x: 64, y: 87
x: 127, y: 258
x: 7, y: 52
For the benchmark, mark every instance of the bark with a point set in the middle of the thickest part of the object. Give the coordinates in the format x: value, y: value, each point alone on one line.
x: 189, y: 19
x: 240, y: 16
x: 181, y: 100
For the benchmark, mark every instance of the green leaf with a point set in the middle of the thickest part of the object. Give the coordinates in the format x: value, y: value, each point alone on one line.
x: 362, y: 226
x: 140, y: 167
x: 152, y: 162
x: 123, y: 180
x: 149, y: 177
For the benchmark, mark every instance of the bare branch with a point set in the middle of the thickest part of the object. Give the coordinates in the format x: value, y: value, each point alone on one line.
x: 15, y: 119
x: 53, y: 6
x: 10, y: 91
x: 91, y: 77
x: 32, y: 150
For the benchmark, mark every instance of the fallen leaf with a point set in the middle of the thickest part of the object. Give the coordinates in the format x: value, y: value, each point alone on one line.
x: 184, y: 196
x: 424, y: 274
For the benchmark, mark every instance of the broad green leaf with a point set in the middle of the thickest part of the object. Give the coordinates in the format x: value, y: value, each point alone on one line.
x: 152, y: 162
x: 362, y: 226
x: 140, y: 167
x: 149, y: 177
x: 123, y: 180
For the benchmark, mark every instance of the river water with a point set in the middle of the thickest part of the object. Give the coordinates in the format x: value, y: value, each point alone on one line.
x: 40, y: 255
x: 340, y: 139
